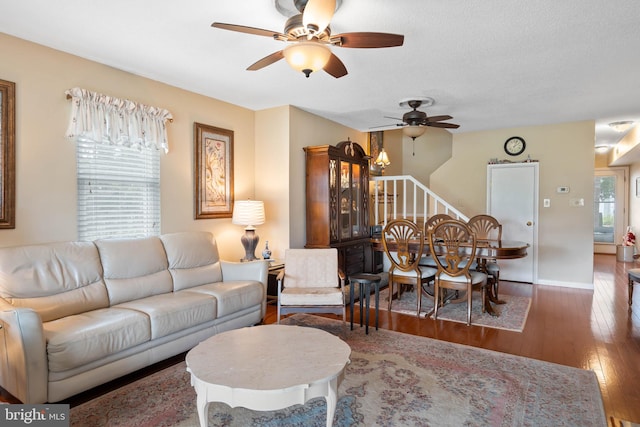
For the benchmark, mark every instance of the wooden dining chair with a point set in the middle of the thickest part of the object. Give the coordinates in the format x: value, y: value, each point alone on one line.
x: 431, y: 222
x: 405, y: 269
x: 455, y: 246
x: 488, y: 228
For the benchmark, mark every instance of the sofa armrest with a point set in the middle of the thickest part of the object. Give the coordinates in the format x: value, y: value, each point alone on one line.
x: 254, y: 270
x: 23, y: 354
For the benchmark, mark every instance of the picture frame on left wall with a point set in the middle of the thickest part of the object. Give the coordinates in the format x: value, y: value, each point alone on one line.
x: 213, y: 172
x: 7, y: 155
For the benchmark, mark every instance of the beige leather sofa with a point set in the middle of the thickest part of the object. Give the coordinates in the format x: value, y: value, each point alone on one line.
x: 75, y: 315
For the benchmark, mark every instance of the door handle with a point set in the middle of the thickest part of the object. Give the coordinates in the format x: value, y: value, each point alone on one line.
x: 529, y: 223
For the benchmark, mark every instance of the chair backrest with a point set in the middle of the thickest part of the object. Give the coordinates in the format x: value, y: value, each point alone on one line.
x: 311, y: 268
x: 455, y: 244
x: 401, y: 232
x: 485, y: 227
x: 433, y: 220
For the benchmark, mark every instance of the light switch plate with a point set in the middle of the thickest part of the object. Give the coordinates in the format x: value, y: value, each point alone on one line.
x: 546, y: 203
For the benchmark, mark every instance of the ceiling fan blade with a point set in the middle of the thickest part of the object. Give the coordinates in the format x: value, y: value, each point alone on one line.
x: 317, y: 14
x: 443, y: 125
x: 438, y: 118
x: 335, y: 67
x: 248, y: 30
x: 368, y: 40
x: 267, y: 60
x: 384, y: 126
x: 394, y: 118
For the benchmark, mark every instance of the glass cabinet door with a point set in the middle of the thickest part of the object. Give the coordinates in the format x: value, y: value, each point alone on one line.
x: 345, y: 200
x: 356, y: 197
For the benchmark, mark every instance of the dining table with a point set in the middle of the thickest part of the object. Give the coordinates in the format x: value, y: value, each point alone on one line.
x: 485, y: 250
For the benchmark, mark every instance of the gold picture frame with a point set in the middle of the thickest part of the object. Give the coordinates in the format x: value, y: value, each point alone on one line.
x: 7, y: 154
x: 213, y: 172
x: 375, y: 146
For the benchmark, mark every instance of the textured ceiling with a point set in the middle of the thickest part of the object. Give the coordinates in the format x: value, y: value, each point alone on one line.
x: 488, y: 63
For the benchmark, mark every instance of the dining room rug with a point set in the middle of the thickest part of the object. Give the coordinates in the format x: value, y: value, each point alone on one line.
x: 394, y: 379
x: 512, y: 316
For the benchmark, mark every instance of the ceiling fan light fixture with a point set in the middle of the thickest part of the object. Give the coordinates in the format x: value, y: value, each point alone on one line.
x: 317, y: 14
x: 307, y: 56
x: 621, y: 126
x: 414, y: 131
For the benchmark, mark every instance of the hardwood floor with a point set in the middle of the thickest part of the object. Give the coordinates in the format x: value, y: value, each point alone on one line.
x: 580, y: 328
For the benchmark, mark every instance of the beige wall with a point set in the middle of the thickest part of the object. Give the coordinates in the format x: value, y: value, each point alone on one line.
x: 272, y: 177
x: 432, y: 149
x: 565, y: 153
x: 45, y: 159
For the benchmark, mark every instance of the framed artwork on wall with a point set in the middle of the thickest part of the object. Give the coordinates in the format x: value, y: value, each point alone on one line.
x: 213, y: 172
x: 637, y: 187
x: 7, y: 155
x: 375, y: 146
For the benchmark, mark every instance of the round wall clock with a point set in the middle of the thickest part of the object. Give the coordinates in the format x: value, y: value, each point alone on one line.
x: 514, y: 146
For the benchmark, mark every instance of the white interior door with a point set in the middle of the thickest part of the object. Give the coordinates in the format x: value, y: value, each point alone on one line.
x: 512, y: 198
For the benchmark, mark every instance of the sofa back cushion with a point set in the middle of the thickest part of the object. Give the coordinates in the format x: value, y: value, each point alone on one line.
x: 134, y: 268
x: 193, y: 259
x: 55, y: 280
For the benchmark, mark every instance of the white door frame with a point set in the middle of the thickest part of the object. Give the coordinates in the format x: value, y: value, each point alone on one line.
x: 533, y: 250
x: 622, y: 201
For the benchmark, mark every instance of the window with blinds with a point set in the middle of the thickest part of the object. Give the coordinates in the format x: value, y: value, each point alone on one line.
x: 118, y: 191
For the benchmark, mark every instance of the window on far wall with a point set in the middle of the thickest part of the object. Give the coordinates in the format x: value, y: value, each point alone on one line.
x: 118, y: 191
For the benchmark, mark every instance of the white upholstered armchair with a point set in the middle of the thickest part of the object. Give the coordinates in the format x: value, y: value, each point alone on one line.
x: 311, y: 282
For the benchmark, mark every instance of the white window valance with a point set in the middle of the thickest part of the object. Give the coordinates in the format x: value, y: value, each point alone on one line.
x: 110, y: 120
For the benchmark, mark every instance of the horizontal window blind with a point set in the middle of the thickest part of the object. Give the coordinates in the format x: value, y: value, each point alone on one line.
x: 118, y: 191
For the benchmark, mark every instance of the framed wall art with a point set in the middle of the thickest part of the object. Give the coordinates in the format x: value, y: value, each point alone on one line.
x: 213, y: 172
x: 7, y: 155
x: 375, y: 146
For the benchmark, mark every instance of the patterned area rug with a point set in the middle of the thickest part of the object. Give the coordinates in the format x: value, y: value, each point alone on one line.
x: 512, y: 315
x: 393, y: 379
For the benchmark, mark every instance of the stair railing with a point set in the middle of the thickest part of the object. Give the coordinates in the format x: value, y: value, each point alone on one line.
x: 404, y: 196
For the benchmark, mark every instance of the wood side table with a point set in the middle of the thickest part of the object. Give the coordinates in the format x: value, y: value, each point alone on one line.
x: 268, y: 367
x: 365, y: 281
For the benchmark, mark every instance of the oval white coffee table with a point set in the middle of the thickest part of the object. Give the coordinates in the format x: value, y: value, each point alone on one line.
x: 268, y: 367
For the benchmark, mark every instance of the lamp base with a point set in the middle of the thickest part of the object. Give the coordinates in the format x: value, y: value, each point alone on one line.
x: 249, y: 241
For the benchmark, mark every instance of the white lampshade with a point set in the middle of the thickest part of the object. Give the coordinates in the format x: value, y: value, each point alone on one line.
x: 248, y: 212
x: 307, y: 56
x: 318, y: 14
x: 414, y: 131
x: 382, y: 159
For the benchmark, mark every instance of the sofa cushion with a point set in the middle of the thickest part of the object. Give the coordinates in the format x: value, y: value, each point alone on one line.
x: 172, y: 312
x: 232, y: 296
x: 193, y: 259
x: 56, y: 279
x: 134, y: 268
x: 83, y: 338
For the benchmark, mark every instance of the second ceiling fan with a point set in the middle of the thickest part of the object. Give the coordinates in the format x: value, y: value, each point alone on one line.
x: 309, y: 36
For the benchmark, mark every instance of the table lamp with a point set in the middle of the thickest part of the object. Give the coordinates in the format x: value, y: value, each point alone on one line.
x: 249, y: 213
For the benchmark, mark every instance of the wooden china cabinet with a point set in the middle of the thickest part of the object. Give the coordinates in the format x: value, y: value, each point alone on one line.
x: 338, y: 203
